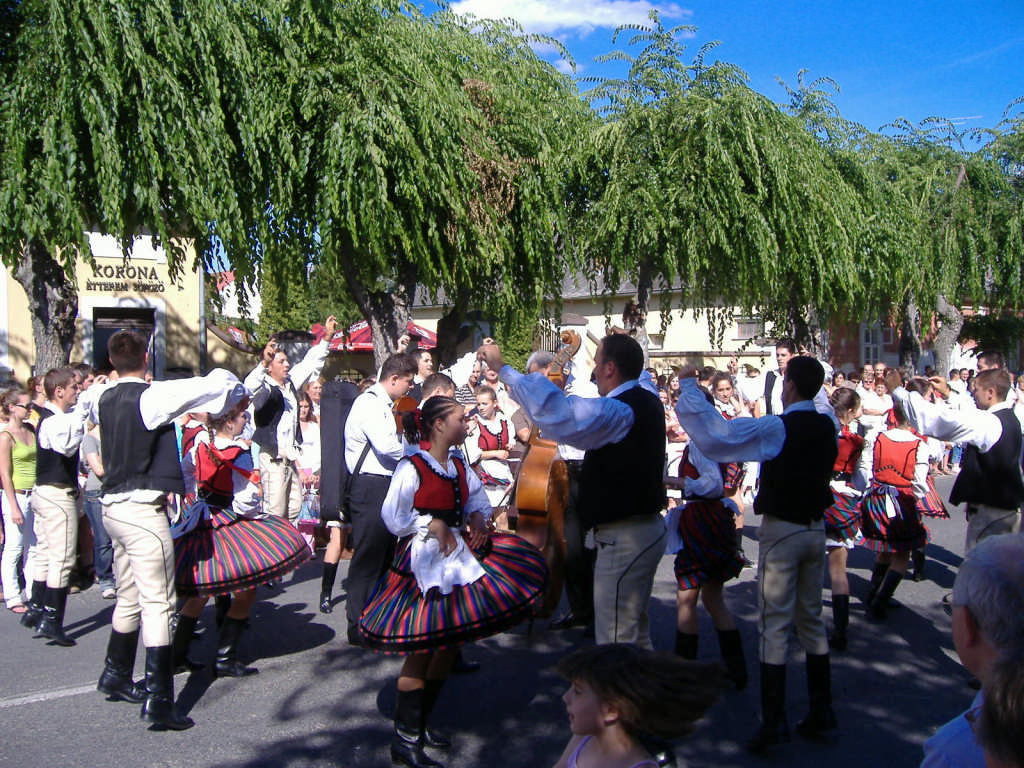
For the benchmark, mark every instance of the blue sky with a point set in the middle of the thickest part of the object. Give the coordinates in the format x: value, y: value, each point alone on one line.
x: 902, y: 58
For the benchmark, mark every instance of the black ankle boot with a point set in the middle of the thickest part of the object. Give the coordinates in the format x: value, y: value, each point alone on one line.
x: 158, y: 708
x: 228, y: 664
x: 34, y: 613
x: 183, y: 632
x: 327, y: 586
x: 878, y: 609
x: 686, y: 645
x: 51, y: 626
x: 747, y: 562
x: 840, y: 620
x: 820, y: 717
x: 774, y: 729
x: 432, y: 737
x: 407, y: 744
x: 731, y: 646
x: 116, y: 680
x: 877, y: 574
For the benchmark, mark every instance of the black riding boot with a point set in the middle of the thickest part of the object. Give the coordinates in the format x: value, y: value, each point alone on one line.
x: 31, y: 617
x: 407, y: 744
x: 877, y: 609
x: 820, y: 717
x: 840, y: 620
x: 327, y: 586
x: 877, y: 574
x: 747, y: 562
x: 433, y: 737
x: 116, y: 680
x: 731, y: 646
x: 221, y: 606
x: 51, y: 626
x: 158, y: 708
x: 774, y: 729
x: 228, y: 664
x: 183, y: 633
x: 917, y: 558
x: 686, y: 645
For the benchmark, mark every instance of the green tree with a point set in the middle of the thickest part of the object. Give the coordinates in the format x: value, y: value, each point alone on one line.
x: 123, y: 117
x: 426, y: 151
x: 694, y: 181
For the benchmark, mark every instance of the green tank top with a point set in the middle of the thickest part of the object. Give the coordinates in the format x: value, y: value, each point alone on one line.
x: 23, y: 464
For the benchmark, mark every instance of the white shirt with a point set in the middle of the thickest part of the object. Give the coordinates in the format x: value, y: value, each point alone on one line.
x: 260, y: 386
x: 63, y: 431
x: 371, y: 422
x: 430, y: 567
x: 164, y: 401
x: 586, y: 423
x: 309, y: 451
x: 981, y: 429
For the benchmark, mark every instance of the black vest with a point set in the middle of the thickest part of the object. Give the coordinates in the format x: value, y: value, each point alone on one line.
x: 769, y: 387
x: 795, y: 484
x: 136, y: 458
x: 993, y: 478
x: 53, y: 468
x: 624, y: 479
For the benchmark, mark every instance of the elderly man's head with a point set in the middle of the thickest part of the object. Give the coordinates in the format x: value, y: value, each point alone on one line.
x: 988, y: 603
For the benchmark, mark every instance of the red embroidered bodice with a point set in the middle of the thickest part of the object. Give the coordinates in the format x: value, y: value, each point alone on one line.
x: 488, y: 441
x: 895, y: 461
x: 850, y: 447
x: 440, y: 496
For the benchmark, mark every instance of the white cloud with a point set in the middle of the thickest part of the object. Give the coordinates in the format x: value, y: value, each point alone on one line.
x: 579, y: 16
x: 566, y: 68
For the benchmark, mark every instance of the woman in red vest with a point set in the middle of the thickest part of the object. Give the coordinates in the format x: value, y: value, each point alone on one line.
x: 890, y: 511
x: 451, y: 581
x: 226, y: 546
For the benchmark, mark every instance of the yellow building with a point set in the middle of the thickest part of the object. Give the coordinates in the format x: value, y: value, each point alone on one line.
x: 115, y: 293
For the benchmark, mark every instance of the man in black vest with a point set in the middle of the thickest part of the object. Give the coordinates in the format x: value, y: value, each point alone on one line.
x: 140, y: 456
x: 990, y: 480
x: 797, y: 449
x: 273, y: 387
x: 621, y: 487
x: 60, y: 433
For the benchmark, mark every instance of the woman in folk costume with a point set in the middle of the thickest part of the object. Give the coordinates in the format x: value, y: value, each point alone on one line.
x: 890, y: 512
x: 226, y: 545
x: 451, y: 582
x: 842, y: 519
x: 701, y: 533
x: 488, y: 448
x: 733, y: 474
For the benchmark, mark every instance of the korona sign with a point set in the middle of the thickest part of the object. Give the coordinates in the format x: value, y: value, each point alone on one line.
x: 121, y: 278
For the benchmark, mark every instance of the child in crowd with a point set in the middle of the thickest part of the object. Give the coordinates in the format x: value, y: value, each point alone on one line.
x: 620, y: 693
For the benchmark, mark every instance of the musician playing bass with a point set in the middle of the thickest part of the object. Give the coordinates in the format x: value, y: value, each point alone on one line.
x: 621, y: 490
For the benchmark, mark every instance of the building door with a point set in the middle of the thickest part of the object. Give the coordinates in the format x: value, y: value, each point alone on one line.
x: 109, y: 320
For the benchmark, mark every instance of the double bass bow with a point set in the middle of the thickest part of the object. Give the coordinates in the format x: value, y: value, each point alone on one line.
x: 541, y: 489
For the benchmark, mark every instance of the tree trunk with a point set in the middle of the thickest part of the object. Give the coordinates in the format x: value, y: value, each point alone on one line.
x: 52, y: 305
x: 387, y: 312
x: 448, y: 328
x: 910, y: 337
x: 634, y: 315
x: 951, y: 320
x: 808, y: 333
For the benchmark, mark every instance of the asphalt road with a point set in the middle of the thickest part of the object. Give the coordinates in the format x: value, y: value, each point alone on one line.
x: 318, y: 702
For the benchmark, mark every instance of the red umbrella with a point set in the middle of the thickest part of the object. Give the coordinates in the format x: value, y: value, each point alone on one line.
x: 358, y: 337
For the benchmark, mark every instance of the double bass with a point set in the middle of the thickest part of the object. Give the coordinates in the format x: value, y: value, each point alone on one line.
x: 542, y: 489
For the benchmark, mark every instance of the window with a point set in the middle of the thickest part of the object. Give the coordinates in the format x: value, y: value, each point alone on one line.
x: 749, y: 327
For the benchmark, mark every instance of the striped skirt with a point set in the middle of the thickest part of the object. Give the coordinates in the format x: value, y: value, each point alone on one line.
x: 931, y: 505
x: 707, y: 531
x: 401, y: 619
x: 227, y: 553
x: 842, y: 519
x: 890, y: 521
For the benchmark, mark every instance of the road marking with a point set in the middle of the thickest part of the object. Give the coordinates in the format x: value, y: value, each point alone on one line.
x: 35, y: 698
